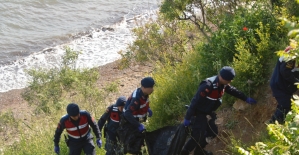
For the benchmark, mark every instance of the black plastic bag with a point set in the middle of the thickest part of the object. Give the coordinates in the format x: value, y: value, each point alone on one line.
x: 130, y: 138
x: 168, y: 140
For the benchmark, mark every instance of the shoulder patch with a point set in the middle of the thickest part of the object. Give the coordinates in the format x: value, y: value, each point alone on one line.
x: 204, y: 92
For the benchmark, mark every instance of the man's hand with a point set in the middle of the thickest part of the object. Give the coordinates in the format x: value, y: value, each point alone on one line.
x: 250, y: 100
x: 186, y: 122
x: 99, y: 143
x: 150, y: 112
x: 56, y: 149
x: 141, y: 128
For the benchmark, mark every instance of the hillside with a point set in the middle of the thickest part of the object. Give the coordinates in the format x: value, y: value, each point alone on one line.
x: 245, y: 124
x: 127, y: 79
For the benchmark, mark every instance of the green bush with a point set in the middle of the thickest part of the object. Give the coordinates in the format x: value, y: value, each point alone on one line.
x: 52, y: 89
x: 245, y: 41
x: 161, y: 41
x: 6, y: 118
x: 175, y: 88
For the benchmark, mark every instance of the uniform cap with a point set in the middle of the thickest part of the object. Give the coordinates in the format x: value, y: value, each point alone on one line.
x: 227, y: 73
x: 121, y: 101
x: 72, y: 109
x: 147, y: 82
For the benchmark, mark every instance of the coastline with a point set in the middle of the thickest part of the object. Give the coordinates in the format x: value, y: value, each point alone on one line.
x: 127, y: 79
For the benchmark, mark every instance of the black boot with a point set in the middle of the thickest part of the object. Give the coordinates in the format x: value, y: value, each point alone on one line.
x: 184, y: 152
x: 199, y: 151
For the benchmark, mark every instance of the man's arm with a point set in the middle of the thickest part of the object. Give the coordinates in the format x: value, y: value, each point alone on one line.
x: 58, y: 132
x: 104, y: 118
x: 94, y: 126
x: 132, y: 107
x: 235, y: 92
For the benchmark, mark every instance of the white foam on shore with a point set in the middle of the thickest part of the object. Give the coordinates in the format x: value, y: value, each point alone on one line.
x: 99, y: 47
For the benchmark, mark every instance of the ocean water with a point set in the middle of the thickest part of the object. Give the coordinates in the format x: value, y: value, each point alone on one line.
x: 34, y: 33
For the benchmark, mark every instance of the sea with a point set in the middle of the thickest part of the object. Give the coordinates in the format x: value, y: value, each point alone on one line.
x: 35, y: 33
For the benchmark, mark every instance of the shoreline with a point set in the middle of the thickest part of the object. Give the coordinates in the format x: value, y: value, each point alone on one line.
x: 99, y: 46
x: 127, y: 79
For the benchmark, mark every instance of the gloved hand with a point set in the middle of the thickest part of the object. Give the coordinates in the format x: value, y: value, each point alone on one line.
x: 186, y: 122
x: 56, y: 149
x: 141, y: 128
x: 150, y: 112
x: 250, y: 100
x: 99, y: 143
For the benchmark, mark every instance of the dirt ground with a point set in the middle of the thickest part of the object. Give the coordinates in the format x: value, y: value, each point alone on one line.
x: 245, y: 124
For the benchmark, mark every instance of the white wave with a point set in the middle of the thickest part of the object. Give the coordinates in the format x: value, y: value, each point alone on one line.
x: 99, y: 47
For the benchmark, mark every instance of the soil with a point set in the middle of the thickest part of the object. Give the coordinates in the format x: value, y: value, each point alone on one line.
x: 241, y: 124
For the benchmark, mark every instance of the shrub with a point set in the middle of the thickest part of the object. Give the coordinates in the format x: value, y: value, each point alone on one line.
x: 51, y: 89
x: 161, y: 41
x: 245, y: 41
x: 175, y: 88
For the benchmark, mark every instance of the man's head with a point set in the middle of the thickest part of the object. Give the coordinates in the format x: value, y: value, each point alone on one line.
x: 147, y: 85
x: 120, y: 102
x: 73, y: 111
x: 227, y: 74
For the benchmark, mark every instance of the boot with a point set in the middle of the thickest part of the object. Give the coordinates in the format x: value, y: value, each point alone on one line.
x: 184, y: 152
x: 199, y: 151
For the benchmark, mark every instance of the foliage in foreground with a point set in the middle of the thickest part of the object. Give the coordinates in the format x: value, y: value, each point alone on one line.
x: 282, y: 139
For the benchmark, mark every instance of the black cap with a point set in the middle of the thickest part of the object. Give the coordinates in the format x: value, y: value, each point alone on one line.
x: 147, y: 82
x: 121, y: 101
x: 227, y: 73
x: 72, y: 109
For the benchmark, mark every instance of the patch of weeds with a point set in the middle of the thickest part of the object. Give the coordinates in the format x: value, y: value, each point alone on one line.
x: 112, y: 87
x: 231, y: 124
x: 6, y: 119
